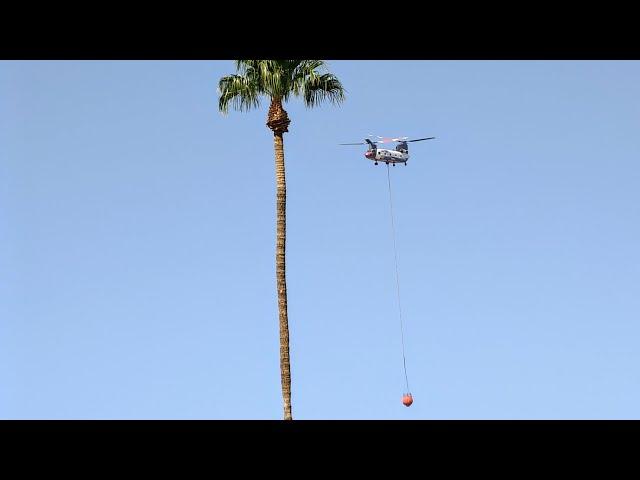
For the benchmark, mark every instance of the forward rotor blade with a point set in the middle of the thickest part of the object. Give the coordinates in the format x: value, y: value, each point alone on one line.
x: 352, y: 143
x: 391, y: 139
x: 420, y: 139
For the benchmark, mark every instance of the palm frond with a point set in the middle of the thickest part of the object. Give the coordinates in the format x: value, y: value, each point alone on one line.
x: 318, y: 88
x: 279, y: 79
x: 239, y: 92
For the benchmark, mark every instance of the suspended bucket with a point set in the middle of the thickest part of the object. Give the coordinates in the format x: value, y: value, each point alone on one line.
x: 407, y: 399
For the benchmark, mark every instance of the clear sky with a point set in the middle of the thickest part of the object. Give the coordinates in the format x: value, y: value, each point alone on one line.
x: 137, y: 240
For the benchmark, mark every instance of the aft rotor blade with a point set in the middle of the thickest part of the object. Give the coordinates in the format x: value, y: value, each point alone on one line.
x: 352, y: 143
x: 420, y: 139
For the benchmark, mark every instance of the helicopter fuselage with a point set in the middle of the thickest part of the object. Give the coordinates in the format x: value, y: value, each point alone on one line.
x: 386, y: 156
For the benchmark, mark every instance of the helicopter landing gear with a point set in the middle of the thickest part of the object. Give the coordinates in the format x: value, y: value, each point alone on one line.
x: 394, y: 164
x: 375, y: 163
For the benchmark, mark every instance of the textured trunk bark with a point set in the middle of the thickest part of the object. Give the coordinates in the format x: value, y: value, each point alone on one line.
x: 278, y: 122
x: 281, y: 233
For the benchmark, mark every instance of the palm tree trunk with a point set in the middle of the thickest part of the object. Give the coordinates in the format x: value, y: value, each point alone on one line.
x: 278, y: 121
x: 281, y: 223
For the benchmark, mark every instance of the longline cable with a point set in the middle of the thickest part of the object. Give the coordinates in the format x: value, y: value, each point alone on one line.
x: 395, y: 253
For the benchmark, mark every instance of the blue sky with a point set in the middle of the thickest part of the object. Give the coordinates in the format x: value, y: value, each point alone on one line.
x: 138, y: 230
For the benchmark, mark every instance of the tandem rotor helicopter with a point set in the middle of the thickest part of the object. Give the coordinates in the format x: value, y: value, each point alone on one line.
x: 399, y: 155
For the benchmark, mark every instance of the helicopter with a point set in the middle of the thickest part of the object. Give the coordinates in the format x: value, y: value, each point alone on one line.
x: 399, y: 155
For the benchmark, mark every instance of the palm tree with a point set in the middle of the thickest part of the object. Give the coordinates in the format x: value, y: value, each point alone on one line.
x: 278, y: 80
